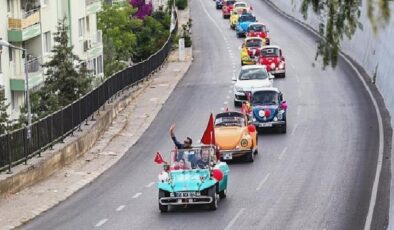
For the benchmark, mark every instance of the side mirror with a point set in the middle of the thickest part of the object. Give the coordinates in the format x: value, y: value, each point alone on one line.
x: 270, y: 76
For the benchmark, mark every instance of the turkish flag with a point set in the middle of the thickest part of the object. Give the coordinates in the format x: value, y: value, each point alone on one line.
x: 209, y: 135
x: 159, y: 159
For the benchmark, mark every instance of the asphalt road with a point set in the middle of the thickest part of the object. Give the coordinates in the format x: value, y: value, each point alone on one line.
x: 317, y: 176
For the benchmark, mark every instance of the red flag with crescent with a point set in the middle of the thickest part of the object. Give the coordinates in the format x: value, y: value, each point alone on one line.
x: 209, y: 134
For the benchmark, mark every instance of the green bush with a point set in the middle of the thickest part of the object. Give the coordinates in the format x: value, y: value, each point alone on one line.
x: 181, y: 4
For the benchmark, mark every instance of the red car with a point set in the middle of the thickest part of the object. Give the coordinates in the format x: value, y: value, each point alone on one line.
x: 272, y: 58
x: 227, y: 8
x: 258, y: 29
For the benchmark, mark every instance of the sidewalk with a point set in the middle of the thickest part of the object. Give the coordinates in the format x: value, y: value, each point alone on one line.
x: 125, y: 130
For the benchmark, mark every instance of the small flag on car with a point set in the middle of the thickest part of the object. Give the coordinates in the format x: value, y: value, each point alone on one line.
x: 159, y: 159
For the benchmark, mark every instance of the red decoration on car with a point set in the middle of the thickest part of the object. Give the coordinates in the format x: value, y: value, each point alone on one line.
x: 267, y: 113
x: 251, y: 128
x: 217, y: 174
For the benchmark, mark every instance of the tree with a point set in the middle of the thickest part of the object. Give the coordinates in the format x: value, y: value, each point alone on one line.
x: 4, y: 118
x: 341, y: 18
x: 119, y: 40
x: 67, y: 76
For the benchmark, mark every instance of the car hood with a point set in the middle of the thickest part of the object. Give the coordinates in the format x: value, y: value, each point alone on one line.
x: 244, y: 25
x: 228, y: 138
x: 247, y: 85
x: 188, y: 180
x: 272, y: 108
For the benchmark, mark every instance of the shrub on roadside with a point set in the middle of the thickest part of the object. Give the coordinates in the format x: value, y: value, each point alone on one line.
x: 181, y: 4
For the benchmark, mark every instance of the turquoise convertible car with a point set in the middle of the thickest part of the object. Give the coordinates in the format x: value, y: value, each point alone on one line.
x: 193, y: 177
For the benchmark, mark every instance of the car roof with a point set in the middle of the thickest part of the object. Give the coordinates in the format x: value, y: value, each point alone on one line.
x: 257, y: 23
x: 253, y: 67
x: 241, y: 3
x: 230, y: 113
x: 271, y: 46
x: 267, y: 89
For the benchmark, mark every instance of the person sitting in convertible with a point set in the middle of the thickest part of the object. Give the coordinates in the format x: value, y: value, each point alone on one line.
x: 204, y: 161
x: 180, y: 165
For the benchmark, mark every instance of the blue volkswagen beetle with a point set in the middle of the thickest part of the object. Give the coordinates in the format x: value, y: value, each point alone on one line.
x: 268, y: 109
x: 193, y: 177
x: 243, y: 24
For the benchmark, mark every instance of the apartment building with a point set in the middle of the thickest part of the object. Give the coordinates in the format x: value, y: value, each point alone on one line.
x: 30, y: 24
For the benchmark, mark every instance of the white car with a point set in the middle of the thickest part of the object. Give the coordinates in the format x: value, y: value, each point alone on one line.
x: 240, y: 4
x: 250, y: 78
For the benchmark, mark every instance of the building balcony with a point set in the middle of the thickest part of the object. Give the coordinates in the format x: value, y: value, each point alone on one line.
x: 35, y: 75
x: 24, y: 28
x: 93, y: 6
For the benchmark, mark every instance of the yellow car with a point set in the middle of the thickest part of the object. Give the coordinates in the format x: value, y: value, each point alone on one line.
x: 235, y: 15
x: 234, y: 137
x: 250, y: 51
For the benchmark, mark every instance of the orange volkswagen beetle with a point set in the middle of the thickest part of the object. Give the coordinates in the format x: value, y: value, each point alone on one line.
x: 234, y: 137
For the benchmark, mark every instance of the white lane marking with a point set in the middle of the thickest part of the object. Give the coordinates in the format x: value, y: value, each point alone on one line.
x: 120, y: 208
x: 294, y: 129
x: 263, y: 182
x: 226, y: 102
x: 232, y: 222
x: 230, y: 91
x: 374, y: 193
x: 282, y: 153
x: 222, y: 109
x: 149, y: 185
x: 137, y: 195
x: 101, y: 222
x: 228, y: 97
x: 298, y: 110
x: 297, y: 78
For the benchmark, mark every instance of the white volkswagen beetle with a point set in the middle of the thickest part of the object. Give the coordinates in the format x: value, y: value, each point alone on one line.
x: 250, y: 78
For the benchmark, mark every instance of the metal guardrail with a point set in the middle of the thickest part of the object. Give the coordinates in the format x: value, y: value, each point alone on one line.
x: 16, y: 149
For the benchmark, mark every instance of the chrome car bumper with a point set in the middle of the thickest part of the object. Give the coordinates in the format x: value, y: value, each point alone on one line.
x: 279, y: 71
x: 183, y: 200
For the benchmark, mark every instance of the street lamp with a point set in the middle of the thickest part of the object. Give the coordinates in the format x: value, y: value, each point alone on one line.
x: 7, y: 44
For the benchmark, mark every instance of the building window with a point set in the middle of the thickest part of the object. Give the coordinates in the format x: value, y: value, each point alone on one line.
x: 15, y: 100
x: 10, y: 53
x: 81, y: 27
x: 47, y: 42
x: 100, y: 64
x: 87, y: 24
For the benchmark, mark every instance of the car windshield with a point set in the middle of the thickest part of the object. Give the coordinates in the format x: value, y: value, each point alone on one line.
x: 247, y: 18
x: 257, y: 28
x: 270, y: 52
x: 196, y: 158
x: 241, y: 4
x: 265, y: 98
x: 230, y: 3
x: 253, y: 74
x: 230, y: 121
x: 253, y: 43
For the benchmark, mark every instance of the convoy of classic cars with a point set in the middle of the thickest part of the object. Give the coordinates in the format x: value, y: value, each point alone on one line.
x: 199, y: 175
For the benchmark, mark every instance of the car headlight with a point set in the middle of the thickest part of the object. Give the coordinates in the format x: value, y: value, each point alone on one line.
x: 281, y: 65
x: 244, y: 142
x: 272, y: 65
x: 254, y: 119
x: 280, y: 114
x: 275, y: 119
x: 261, y: 113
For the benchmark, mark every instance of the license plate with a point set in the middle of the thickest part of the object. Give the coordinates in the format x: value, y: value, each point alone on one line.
x: 227, y: 156
x: 186, y: 194
x: 265, y: 125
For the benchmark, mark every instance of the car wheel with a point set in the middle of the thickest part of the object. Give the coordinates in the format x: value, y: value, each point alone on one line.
x: 223, y: 194
x: 212, y: 193
x: 283, y: 128
x: 250, y: 156
x: 162, y: 208
x: 237, y: 103
x: 256, y: 151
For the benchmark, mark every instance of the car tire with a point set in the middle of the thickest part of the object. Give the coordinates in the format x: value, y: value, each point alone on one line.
x: 162, y: 208
x: 223, y: 194
x: 212, y: 193
x: 256, y: 151
x: 237, y: 103
x: 283, y: 128
x: 250, y: 156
